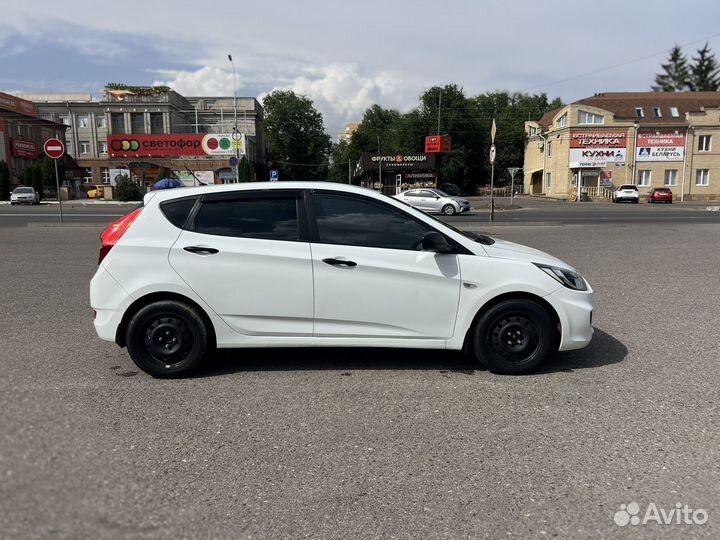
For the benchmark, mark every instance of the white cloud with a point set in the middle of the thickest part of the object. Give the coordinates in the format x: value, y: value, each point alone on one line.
x: 206, y: 81
x: 342, y: 93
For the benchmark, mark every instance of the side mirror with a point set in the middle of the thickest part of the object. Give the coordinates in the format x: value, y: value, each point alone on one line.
x: 436, y: 242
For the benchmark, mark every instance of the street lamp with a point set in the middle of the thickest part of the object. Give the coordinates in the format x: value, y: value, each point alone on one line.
x: 235, y: 129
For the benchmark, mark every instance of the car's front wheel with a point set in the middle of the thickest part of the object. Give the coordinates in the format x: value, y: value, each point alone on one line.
x: 513, y: 337
x: 448, y: 210
x: 167, y: 339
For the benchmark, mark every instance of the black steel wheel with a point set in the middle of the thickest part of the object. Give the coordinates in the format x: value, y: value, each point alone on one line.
x: 514, y: 337
x: 167, y: 339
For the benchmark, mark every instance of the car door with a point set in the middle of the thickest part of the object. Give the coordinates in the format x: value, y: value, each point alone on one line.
x: 247, y: 255
x: 370, y: 279
x: 431, y: 201
x: 412, y: 198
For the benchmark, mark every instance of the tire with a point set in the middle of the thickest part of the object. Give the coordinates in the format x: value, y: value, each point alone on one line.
x: 149, y: 329
x: 636, y: 201
x: 448, y: 210
x: 531, y: 329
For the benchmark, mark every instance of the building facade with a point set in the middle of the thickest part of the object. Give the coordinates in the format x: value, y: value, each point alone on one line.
x: 23, y: 133
x: 153, y: 118
x: 650, y: 139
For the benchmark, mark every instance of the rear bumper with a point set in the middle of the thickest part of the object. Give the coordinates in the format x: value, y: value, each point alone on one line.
x: 575, y: 311
x: 109, y: 300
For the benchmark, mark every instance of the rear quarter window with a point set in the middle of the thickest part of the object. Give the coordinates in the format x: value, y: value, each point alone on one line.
x: 178, y: 210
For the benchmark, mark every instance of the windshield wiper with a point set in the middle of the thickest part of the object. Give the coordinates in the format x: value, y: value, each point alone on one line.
x: 479, y: 238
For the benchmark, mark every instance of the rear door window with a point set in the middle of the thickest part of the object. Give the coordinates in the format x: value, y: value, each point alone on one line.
x: 267, y: 216
x: 177, y: 211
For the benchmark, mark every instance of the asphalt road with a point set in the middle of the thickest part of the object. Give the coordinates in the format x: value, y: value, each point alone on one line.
x: 366, y: 443
x: 533, y: 211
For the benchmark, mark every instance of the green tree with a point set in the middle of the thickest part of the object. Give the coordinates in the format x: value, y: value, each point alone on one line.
x: 244, y: 172
x: 26, y: 176
x: 676, y: 73
x: 126, y: 190
x: 4, y: 181
x: 297, y: 144
x: 705, y: 71
x: 339, y: 158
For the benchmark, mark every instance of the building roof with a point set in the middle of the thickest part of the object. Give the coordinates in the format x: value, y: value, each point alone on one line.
x: 547, y: 118
x: 624, y: 104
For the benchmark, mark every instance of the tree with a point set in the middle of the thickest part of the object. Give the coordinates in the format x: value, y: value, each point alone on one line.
x: 297, y: 144
x: 705, y: 71
x: 36, y: 177
x: 244, y: 173
x: 126, y: 189
x: 4, y: 181
x: 676, y: 74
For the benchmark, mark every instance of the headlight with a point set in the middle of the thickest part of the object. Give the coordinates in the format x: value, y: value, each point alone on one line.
x: 572, y: 280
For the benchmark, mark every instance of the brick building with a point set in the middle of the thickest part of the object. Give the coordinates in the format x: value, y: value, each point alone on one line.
x: 651, y: 139
x: 23, y: 133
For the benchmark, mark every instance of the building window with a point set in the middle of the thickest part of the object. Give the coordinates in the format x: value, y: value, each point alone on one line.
x: 674, y: 112
x: 87, y: 175
x: 548, y: 180
x: 549, y: 149
x: 657, y: 112
x: 137, y: 122
x: 704, y: 143
x: 64, y: 119
x: 84, y: 147
x: 102, y: 147
x: 157, y: 123
x: 117, y: 123
x: 533, y: 131
x: 639, y: 112
x: 644, y: 178
x: 83, y: 121
x: 702, y: 177
x: 100, y: 121
x: 562, y: 121
x: 671, y: 177
x: 585, y: 117
x: 105, y: 175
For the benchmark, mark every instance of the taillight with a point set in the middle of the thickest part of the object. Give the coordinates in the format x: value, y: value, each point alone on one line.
x: 110, y: 236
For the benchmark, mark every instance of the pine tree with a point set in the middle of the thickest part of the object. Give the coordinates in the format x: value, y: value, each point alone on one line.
x: 676, y: 74
x: 705, y: 71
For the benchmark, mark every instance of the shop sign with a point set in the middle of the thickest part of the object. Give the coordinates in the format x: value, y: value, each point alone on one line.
x: 660, y: 147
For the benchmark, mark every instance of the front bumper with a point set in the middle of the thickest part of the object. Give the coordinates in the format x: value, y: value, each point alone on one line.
x: 575, y: 311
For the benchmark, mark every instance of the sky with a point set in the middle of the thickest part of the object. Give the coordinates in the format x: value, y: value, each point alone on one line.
x: 347, y: 55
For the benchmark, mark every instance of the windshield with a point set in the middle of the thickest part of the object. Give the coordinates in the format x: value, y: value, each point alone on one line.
x: 23, y: 190
x: 441, y: 193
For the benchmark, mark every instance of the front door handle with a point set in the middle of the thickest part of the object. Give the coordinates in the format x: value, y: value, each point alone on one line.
x: 340, y: 262
x: 201, y: 250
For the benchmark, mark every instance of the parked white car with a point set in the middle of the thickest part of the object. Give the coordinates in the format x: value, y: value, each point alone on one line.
x: 24, y: 195
x: 297, y: 264
x: 626, y: 192
x: 434, y: 201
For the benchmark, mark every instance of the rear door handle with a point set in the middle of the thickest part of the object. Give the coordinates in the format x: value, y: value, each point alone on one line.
x: 340, y: 262
x: 201, y: 250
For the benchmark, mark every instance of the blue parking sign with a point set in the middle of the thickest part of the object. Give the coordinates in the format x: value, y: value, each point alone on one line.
x: 274, y: 176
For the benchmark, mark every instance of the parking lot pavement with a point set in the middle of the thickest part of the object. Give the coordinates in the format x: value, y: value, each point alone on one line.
x: 365, y: 443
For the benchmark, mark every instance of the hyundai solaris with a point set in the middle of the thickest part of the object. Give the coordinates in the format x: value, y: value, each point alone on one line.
x: 315, y: 264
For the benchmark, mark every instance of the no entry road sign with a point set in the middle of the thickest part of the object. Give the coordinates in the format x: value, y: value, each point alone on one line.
x: 54, y: 148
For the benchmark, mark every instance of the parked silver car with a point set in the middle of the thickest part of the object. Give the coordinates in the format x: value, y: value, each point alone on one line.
x: 434, y: 201
x: 24, y: 195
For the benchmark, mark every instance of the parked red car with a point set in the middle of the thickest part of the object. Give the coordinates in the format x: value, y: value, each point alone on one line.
x: 660, y: 194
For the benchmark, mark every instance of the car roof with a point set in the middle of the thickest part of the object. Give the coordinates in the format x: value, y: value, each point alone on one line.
x: 174, y: 193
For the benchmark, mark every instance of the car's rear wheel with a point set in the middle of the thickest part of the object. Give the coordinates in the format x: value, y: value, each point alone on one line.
x: 448, y: 210
x: 513, y: 337
x: 167, y: 339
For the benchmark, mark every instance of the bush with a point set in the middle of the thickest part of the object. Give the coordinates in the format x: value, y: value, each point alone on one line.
x: 126, y: 190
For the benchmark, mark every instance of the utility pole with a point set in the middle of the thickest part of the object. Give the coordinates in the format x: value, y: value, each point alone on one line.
x: 513, y: 171
x: 439, y: 109
x: 379, y: 163
x: 492, y: 171
x: 349, y: 173
x: 235, y: 129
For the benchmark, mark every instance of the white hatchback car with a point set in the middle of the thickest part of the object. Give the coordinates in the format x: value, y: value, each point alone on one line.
x: 434, y: 201
x: 299, y: 264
